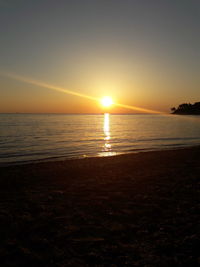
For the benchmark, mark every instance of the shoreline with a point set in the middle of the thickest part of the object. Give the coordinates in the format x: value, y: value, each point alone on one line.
x: 138, y: 209
x: 63, y: 159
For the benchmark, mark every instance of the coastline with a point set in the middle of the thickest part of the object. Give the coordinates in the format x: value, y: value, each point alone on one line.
x: 133, y: 209
x: 114, y: 154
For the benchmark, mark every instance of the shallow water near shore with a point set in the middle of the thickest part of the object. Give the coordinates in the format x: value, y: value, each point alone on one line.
x: 35, y: 137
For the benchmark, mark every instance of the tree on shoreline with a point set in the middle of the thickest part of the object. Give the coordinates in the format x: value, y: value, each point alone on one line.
x: 187, y: 109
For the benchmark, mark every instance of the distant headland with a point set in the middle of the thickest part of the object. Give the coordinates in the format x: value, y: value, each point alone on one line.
x: 187, y: 109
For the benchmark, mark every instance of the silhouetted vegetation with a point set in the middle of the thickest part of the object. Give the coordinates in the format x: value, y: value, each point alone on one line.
x: 187, y: 109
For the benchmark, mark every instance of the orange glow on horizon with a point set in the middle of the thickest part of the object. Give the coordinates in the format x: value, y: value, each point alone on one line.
x: 106, y: 101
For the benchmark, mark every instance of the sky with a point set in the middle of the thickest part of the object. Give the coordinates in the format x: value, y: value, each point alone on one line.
x: 141, y: 53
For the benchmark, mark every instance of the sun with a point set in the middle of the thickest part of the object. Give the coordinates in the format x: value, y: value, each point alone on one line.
x: 106, y: 101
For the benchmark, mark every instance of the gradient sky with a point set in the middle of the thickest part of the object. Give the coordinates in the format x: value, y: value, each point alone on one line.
x: 141, y: 52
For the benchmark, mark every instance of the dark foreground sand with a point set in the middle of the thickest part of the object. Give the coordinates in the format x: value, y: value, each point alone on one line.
x: 130, y: 210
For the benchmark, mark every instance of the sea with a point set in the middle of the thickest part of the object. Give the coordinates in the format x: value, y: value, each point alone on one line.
x: 26, y: 138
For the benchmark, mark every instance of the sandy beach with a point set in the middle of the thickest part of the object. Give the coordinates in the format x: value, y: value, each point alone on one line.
x: 128, y: 210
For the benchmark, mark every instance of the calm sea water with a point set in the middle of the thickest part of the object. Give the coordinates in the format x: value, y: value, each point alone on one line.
x: 27, y: 137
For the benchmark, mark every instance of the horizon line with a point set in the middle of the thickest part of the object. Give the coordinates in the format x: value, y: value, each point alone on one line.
x: 83, y: 113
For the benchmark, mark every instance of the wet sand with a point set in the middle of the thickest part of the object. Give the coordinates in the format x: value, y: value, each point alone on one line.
x: 129, y: 210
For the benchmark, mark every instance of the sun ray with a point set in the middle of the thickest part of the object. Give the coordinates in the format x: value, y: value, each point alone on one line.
x: 67, y: 91
x: 139, y: 109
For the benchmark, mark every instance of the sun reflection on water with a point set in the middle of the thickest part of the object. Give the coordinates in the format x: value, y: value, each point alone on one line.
x: 107, y: 149
x: 107, y: 146
x: 106, y: 128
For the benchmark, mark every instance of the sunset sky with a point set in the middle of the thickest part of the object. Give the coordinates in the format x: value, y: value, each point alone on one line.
x: 141, y: 53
